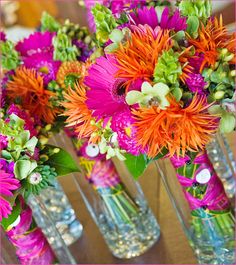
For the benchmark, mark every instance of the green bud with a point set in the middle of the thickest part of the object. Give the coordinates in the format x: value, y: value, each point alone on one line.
x: 219, y: 95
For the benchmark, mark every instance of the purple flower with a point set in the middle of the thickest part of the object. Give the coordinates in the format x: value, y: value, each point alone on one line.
x: 84, y: 49
x: 196, y: 83
x: 196, y: 62
x: 36, y: 43
x: 122, y: 124
x: 3, y: 141
x: 44, y: 64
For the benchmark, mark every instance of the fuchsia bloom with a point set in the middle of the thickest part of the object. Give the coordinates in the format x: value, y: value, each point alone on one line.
x: 7, y: 184
x: 106, y: 94
x: 2, y: 36
x: 196, y: 83
x: 36, y: 43
x: 149, y: 16
x: 122, y: 125
x: 3, y: 142
x: 32, y: 246
x: 30, y: 124
x: 44, y: 64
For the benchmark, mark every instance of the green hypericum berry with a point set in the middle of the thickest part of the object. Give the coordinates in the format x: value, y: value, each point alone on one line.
x: 9, y: 56
x: 48, y: 23
x: 168, y: 68
x: 105, y: 22
x: 64, y: 50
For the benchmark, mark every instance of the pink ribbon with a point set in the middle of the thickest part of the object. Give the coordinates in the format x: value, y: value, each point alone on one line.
x: 215, y: 197
x: 32, y: 246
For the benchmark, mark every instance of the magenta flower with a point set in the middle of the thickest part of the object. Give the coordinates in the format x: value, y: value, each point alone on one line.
x: 196, y: 83
x: 32, y: 246
x: 30, y: 123
x: 7, y: 184
x: 196, y: 62
x: 2, y: 36
x: 3, y: 142
x: 106, y: 94
x: 122, y: 124
x: 36, y: 43
x: 149, y: 16
x: 44, y: 64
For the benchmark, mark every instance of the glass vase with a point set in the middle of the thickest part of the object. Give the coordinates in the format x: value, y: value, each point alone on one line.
x: 44, y: 221
x: 222, y: 159
x: 31, y: 246
x: 116, y: 203
x: 61, y: 212
x: 204, y: 211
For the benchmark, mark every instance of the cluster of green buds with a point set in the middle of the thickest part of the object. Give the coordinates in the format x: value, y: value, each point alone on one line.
x: 64, y: 50
x: 105, y: 22
x: 58, y: 90
x: 9, y: 56
x: 76, y: 32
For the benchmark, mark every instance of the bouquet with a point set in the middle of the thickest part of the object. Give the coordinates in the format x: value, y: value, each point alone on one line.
x: 161, y: 86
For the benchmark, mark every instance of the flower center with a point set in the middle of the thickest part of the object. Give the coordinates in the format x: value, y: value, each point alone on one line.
x: 128, y: 131
x: 44, y: 70
x: 70, y: 79
x: 35, y: 178
x: 119, y: 89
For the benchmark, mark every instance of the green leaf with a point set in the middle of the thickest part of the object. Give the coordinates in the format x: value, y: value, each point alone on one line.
x: 7, y: 155
x: 161, y: 154
x: 193, y: 25
x: 62, y: 161
x: 48, y: 23
x: 22, y: 169
x: 16, y: 210
x: 136, y: 164
x: 177, y: 93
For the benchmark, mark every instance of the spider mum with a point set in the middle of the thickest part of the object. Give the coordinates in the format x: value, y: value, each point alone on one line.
x: 79, y: 116
x: 69, y: 73
x: 212, y: 37
x: 177, y: 129
x: 138, y: 57
x: 27, y: 86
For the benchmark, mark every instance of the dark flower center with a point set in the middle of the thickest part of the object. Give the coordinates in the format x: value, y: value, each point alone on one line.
x: 119, y: 89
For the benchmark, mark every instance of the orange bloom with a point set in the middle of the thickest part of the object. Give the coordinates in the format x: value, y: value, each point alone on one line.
x: 70, y: 72
x: 177, y: 129
x: 137, y: 58
x: 79, y: 116
x: 186, y: 68
x: 211, y: 37
x: 27, y: 86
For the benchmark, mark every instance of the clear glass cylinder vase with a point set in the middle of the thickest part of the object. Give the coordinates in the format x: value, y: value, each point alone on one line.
x: 61, y: 212
x: 201, y: 205
x: 115, y: 201
x: 223, y: 161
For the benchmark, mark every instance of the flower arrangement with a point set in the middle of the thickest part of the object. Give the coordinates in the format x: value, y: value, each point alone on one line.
x: 161, y: 86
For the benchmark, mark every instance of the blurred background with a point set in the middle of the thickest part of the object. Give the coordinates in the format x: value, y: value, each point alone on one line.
x: 18, y: 17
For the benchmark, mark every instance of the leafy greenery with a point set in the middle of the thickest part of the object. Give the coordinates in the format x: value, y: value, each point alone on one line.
x: 136, y: 164
x: 105, y: 22
x: 193, y: 25
x: 9, y: 56
x: 61, y: 160
x: 16, y: 210
x: 48, y: 23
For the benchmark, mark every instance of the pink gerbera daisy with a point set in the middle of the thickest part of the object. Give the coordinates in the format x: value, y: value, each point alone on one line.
x: 44, y: 64
x: 122, y: 124
x: 106, y: 94
x: 7, y: 184
x: 35, y: 43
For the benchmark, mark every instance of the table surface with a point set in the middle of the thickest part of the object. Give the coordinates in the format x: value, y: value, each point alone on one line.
x: 172, y: 247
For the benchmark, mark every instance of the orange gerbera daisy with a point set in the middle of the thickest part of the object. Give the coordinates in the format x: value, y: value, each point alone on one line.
x: 79, y: 116
x: 211, y: 37
x: 27, y: 86
x: 137, y: 58
x: 71, y: 72
x: 177, y: 129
